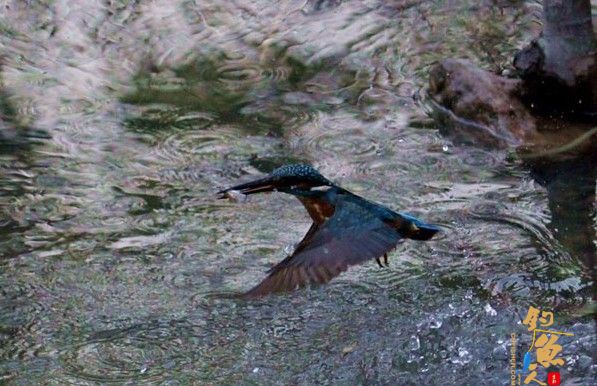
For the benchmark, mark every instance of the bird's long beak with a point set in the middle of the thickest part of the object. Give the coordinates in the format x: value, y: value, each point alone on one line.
x: 266, y: 184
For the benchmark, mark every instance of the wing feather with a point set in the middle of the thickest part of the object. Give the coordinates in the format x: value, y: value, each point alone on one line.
x: 351, y: 236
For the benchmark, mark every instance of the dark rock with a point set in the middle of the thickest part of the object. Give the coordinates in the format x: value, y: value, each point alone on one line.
x: 550, y: 94
x: 559, y: 68
x: 478, y: 107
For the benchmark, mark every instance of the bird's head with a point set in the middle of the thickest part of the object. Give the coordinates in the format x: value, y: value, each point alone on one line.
x: 288, y: 178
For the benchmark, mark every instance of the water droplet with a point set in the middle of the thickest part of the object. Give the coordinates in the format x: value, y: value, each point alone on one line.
x: 434, y: 323
x: 464, y: 357
x: 348, y: 349
x: 490, y: 311
x: 464, y: 354
x: 289, y: 249
x: 414, y: 343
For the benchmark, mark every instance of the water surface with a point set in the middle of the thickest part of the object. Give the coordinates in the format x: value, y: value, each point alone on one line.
x: 120, y: 121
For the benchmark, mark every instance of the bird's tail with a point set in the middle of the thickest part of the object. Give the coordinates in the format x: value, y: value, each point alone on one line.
x: 417, y: 229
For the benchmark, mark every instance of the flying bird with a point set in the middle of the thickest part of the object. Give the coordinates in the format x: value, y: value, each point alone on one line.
x: 346, y: 230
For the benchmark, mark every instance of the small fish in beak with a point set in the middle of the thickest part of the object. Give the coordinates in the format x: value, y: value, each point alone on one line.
x: 234, y: 196
x: 266, y: 184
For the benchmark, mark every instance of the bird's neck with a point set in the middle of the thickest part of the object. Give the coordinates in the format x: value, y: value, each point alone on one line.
x: 319, y: 204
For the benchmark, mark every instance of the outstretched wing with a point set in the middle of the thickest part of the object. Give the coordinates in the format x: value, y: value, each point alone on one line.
x: 351, y: 236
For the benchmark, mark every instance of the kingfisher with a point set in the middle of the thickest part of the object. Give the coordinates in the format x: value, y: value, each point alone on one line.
x: 346, y: 229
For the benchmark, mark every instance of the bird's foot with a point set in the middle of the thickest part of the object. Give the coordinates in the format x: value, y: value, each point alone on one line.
x: 385, y: 263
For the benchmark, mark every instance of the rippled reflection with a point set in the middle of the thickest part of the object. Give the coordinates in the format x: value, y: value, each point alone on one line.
x: 120, y: 120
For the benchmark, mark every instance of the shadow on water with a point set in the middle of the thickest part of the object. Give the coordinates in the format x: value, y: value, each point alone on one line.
x: 16, y: 138
x: 17, y: 141
x: 570, y: 184
x: 561, y: 160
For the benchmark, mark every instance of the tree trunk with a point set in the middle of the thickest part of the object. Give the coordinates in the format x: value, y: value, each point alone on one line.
x: 560, y: 68
x: 567, y: 35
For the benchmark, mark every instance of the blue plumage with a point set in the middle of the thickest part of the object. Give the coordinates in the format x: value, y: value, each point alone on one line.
x: 346, y: 230
x: 300, y: 171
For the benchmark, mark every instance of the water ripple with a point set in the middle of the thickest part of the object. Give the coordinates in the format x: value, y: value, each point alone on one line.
x: 111, y: 224
x: 139, y: 353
